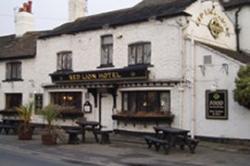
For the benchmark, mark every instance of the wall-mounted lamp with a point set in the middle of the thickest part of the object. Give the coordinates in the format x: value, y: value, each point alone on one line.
x: 214, y: 86
x: 203, y: 69
x: 225, y: 67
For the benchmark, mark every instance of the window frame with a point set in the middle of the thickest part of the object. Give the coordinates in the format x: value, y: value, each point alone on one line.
x: 57, y: 98
x: 136, y: 46
x: 13, y: 71
x: 110, y: 48
x: 9, y: 95
x: 65, y: 61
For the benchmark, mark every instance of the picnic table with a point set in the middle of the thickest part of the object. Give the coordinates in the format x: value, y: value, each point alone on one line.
x: 10, y: 124
x: 168, y: 138
x: 88, y: 125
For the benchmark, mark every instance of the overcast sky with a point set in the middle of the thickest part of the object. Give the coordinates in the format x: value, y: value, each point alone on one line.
x: 51, y: 13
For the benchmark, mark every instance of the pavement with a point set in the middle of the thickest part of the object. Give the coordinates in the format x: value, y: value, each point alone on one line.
x: 125, y: 151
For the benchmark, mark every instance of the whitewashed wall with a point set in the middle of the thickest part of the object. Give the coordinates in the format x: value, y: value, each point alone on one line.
x: 86, y: 49
x: 238, y: 122
x: 27, y: 87
x: 86, y: 46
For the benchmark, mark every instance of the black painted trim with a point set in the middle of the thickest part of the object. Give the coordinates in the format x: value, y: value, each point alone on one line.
x: 17, y: 58
x: 105, y: 66
x: 13, y: 80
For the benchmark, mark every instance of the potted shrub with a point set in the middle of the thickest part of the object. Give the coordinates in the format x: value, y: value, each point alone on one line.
x: 25, y: 129
x: 49, y: 114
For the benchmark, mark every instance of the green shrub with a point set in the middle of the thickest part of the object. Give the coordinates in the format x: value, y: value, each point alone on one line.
x: 242, y: 91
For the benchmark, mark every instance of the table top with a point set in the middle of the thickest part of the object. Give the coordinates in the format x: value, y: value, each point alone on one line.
x: 87, y: 123
x: 171, y: 130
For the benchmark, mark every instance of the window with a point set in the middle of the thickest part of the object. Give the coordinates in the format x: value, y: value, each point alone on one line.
x: 64, y: 60
x: 38, y: 102
x: 13, y: 100
x: 106, y: 50
x: 139, y: 53
x: 67, y: 99
x: 13, y: 71
x: 146, y: 101
x: 207, y: 60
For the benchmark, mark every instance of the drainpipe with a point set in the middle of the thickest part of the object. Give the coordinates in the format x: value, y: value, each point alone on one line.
x: 182, y: 26
x: 193, y: 114
x: 237, y: 29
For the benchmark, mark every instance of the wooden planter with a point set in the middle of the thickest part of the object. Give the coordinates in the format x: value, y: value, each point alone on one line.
x: 49, y: 139
x: 25, y: 133
x: 145, y: 120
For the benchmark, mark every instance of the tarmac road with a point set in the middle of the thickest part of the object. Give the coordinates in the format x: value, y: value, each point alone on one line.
x: 17, y: 158
x: 119, y: 153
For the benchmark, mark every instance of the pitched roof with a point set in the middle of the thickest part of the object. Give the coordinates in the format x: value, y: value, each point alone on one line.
x: 139, y: 13
x: 230, y: 4
x: 239, y: 56
x: 12, y: 47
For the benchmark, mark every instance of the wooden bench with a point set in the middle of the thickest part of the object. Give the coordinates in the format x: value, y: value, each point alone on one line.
x: 73, y: 136
x: 157, y: 142
x: 190, y: 142
x: 104, y: 136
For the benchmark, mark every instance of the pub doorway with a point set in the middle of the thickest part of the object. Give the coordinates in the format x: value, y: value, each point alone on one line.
x: 106, y: 110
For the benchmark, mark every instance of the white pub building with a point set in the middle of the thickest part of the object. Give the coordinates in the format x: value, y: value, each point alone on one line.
x: 161, y: 62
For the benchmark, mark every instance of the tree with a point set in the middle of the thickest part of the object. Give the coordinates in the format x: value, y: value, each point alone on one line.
x: 242, y: 91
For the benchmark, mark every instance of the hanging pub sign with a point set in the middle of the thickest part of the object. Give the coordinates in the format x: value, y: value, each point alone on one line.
x: 128, y: 73
x: 217, y: 104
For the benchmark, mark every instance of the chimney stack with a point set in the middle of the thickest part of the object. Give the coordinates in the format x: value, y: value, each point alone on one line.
x: 24, y: 19
x: 77, y: 9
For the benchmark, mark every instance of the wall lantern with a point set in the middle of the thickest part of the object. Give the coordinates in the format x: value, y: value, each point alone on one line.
x: 87, y: 107
x: 214, y: 86
x: 203, y: 69
x: 225, y: 67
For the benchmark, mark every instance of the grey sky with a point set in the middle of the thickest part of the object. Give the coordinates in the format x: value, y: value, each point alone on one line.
x: 51, y: 13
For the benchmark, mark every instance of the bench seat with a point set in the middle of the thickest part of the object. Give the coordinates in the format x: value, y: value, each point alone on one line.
x: 7, y: 128
x: 190, y: 142
x: 157, y: 142
x: 105, y: 139
x: 73, y: 136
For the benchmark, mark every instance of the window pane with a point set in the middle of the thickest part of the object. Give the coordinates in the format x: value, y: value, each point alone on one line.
x: 153, y: 102
x: 131, y: 56
x: 38, y: 102
x: 65, y: 61
x: 139, y: 54
x: 19, y: 71
x: 132, y: 101
x: 8, y: 71
x: 142, y: 102
x: 147, y: 53
x: 104, y: 57
x: 125, y: 101
x: 107, y: 40
x: 110, y: 58
x: 59, y: 62
x: 165, y: 101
